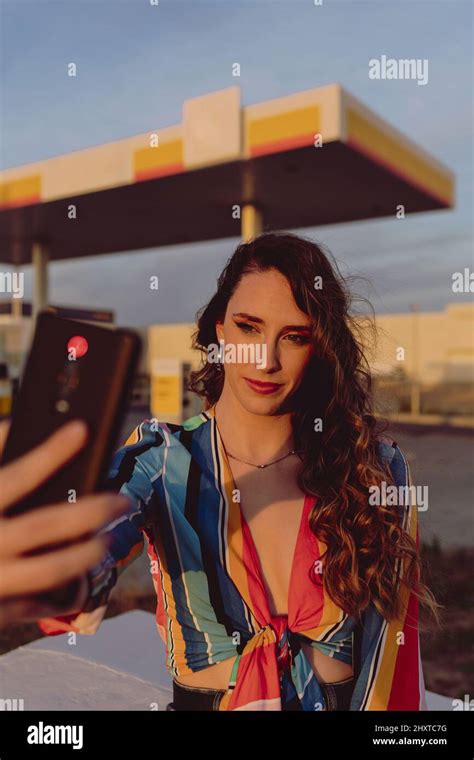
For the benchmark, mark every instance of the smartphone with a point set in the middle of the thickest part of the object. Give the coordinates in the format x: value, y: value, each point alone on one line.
x: 73, y: 370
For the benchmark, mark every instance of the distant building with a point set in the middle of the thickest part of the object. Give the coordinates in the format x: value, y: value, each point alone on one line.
x: 434, y: 346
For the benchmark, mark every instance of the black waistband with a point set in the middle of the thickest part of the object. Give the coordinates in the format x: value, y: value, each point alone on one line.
x: 337, y: 694
x: 195, y: 698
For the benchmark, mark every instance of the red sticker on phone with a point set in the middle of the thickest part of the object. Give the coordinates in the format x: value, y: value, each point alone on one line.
x: 79, y: 344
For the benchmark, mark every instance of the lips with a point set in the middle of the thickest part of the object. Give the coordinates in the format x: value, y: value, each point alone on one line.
x: 262, y: 387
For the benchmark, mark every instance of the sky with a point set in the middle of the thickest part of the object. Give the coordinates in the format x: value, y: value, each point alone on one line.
x: 139, y: 63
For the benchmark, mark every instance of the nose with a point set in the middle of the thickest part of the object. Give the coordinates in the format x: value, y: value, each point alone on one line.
x: 271, y: 356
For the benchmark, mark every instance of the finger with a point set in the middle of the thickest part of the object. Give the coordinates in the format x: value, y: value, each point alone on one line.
x: 30, y: 575
x: 4, y: 428
x: 57, y: 523
x: 23, y: 475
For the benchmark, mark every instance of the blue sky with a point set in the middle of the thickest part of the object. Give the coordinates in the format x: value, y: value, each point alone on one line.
x: 137, y: 64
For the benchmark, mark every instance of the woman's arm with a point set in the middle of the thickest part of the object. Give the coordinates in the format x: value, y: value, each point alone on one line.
x: 402, y: 665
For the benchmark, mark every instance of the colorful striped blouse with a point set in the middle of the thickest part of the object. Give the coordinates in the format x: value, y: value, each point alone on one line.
x: 211, y: 600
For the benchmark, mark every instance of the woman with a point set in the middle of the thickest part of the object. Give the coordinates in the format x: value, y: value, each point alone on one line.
x: 281, y: 585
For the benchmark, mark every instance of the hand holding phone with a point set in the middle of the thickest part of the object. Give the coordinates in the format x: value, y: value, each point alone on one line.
x: 22, y: 574
x: 74, y: 370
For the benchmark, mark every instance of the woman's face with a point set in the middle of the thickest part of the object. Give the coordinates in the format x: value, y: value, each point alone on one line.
x: 263, y: 322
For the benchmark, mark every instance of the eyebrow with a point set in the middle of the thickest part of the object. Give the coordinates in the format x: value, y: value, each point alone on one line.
x: 259, y: 321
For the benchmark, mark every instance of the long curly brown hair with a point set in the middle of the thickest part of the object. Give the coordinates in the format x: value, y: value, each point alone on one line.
x: 341, y: 462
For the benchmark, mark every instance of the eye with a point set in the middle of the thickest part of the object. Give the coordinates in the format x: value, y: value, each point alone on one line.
x: 299, y: 340
x: 245, y: 327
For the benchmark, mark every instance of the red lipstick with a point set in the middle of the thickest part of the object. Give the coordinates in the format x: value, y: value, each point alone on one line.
x: 263, y: 388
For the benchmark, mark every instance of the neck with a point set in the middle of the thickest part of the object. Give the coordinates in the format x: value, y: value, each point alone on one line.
x: 255, y: 438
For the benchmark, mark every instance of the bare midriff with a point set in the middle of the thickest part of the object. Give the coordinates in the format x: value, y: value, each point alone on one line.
x: 327, y: 670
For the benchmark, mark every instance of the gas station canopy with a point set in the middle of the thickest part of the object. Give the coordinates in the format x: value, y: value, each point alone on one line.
x: 311, y: 158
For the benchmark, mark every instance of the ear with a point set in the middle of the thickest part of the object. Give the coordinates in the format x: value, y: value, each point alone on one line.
x: 220, y: 331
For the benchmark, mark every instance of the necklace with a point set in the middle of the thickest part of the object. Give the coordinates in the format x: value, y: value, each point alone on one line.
x: 261, y: 466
